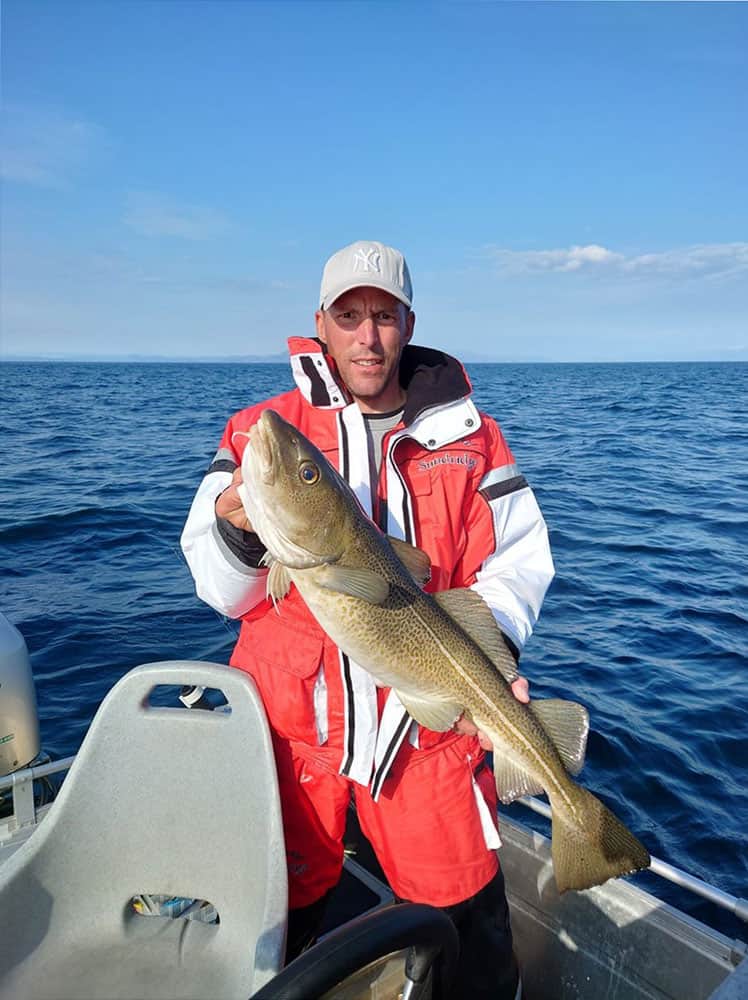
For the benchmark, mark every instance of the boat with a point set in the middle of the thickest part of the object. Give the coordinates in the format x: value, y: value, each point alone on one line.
x: 121, y: 875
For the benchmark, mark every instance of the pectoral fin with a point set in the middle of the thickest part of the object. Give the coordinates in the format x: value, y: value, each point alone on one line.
x: 362, y: 583
x: 431, y: 712
x: 470, y: 611
x: 567, y: 724
x: 414, y: 559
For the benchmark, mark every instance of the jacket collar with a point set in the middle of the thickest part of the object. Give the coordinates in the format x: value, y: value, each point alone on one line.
x: 316, y: 375
x: 432, y: 379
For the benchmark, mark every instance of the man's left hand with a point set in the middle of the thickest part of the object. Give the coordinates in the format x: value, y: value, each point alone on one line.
x: 520, y: 690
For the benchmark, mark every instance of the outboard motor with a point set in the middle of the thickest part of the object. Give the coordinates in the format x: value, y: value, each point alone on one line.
x: 19, y: 722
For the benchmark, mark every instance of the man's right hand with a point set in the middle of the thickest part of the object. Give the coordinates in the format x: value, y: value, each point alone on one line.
x: 229, y: 504
x: 521, y: 691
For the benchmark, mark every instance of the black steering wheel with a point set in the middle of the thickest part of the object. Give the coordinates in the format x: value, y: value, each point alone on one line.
x: 426, y: 931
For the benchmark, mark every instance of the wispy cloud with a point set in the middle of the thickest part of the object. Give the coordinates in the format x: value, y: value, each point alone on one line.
x: 713, y: 260
x: 45, y: 147
x: 571, y: 259
x: 153, y: 214
x: 183, y: 278
x: 709, y: 260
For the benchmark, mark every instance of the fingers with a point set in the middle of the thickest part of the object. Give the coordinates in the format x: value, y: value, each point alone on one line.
x: 229, y: 504
x: 521, y: 689
x: 484, y: 741
x: 467, y: 728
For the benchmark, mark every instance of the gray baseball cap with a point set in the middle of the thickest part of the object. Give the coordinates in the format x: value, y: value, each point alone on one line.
x: 365, y: 263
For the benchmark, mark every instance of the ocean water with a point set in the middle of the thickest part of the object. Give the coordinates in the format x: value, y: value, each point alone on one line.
x: 642, y: 474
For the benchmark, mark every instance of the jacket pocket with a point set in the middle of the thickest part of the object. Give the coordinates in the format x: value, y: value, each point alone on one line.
x: 286, y: 639
x: 283, y: 658
x: 290, y: 649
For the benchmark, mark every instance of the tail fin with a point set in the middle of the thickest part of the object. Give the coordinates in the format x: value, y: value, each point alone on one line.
x: 590, y: 845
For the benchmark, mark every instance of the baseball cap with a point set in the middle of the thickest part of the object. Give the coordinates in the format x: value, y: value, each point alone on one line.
x: 365, y: 263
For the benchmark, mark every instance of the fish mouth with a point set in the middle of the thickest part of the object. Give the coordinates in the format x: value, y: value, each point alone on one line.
x: 270, y: 457
x: 261, y: 443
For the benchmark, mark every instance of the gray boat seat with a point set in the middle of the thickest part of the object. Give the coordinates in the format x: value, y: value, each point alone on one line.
x: 161, y: 802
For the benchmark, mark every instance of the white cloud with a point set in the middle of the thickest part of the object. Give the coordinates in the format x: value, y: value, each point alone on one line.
x: 715, y: 260
x: 573, y: 258
x: 45, y: 147
x: 152, y: 214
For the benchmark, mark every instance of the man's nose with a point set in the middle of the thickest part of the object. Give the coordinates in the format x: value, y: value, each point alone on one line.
x: 368, y: 331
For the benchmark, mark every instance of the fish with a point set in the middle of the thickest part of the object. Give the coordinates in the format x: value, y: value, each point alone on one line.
x: 442, y: 653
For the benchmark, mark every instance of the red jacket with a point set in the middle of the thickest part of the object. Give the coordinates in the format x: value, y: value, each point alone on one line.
x: 448, y: 483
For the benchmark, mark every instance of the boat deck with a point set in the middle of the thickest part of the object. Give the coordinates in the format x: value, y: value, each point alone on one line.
x: 615, y: 941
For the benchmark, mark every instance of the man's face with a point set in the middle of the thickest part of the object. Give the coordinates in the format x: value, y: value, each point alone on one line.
x: 365, y: 331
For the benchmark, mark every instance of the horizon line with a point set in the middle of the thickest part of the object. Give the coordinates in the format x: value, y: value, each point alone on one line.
x: 282, y: 359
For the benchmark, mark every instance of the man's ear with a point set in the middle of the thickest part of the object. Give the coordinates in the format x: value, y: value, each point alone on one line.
x: 409, y: 326
x: 319, y: 322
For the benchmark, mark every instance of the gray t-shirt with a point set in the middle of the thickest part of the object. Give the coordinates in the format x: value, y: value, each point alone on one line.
x: 377, y: 425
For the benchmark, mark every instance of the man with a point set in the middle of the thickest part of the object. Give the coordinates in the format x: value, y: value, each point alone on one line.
x: 399, y: 424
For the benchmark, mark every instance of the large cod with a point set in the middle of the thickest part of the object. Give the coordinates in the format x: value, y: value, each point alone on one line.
x: 442, y: 653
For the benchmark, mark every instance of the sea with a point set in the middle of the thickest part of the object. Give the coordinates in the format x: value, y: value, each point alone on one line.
x: 641, y: 471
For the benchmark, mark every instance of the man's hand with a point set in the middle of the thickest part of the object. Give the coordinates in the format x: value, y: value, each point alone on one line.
x: 520, y: 690
x: 229, y: 504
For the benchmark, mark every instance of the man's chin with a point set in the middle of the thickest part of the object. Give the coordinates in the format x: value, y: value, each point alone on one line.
x: 367, y: 384
x: 367, y: 388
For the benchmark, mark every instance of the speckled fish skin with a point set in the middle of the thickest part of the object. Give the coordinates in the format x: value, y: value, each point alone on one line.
x: 369, y: 604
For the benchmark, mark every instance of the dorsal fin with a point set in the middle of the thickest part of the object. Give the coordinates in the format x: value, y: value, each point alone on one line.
x: 567, y: 723
x: 415, y: 560
x: 470, y: 611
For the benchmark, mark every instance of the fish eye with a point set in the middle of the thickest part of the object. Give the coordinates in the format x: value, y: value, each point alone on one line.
x: 308, y: 473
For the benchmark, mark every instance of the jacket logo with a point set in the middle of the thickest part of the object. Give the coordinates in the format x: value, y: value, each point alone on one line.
x: 367, y: 260
x: 467, y: 460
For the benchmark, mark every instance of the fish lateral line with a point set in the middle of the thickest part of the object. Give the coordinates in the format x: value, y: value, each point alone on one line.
x: 519, y: 736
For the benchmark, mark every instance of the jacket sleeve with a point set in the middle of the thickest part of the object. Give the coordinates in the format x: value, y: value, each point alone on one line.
x: 224, y: 561
x: 507, y: 557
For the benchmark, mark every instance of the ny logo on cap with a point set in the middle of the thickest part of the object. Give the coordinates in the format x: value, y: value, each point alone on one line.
x: 367, y: 260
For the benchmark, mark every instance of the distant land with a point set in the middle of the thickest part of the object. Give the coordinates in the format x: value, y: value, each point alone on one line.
x: 229, y: 359
x: 281, y: 358
x: 162, y: 359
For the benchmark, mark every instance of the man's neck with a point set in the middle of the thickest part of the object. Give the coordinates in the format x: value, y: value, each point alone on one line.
x: 387, y: 403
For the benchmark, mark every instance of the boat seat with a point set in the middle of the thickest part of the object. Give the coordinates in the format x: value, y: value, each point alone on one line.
x: 167, y: 802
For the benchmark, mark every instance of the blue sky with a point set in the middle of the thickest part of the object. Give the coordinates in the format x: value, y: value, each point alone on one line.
x: 567, y: 181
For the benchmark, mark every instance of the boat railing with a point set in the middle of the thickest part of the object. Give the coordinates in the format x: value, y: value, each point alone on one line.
x: 733, y: 904
x: 24, y: 817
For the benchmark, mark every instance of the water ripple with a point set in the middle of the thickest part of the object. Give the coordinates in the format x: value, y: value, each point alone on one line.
x: 642, y: 474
